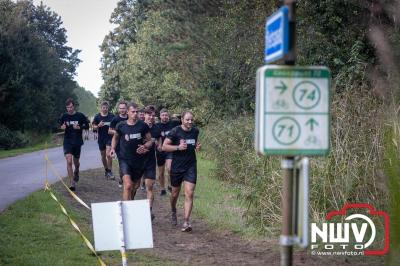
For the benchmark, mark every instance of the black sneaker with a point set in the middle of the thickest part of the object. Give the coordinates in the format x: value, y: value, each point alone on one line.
x: 152, y: 216
x: 76, y: 176
x: 72, y: 187
x: 170, y: 189
x: 186, y: 227
x: 174, y: 220
x: 163, y: 192
x: 111, y: 175
x: 120, y: 183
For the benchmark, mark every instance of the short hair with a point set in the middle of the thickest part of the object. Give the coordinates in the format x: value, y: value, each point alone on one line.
x: 133, y: 105
x: 104, y: 103
x: 122, y: 102
x: 150, y: 109
x: 186, y: 112
x: 69, y: 101
x: 164, y: 110
x: 141, y: 110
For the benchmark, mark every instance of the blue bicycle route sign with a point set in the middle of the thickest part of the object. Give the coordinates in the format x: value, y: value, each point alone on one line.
x: 277, y: 35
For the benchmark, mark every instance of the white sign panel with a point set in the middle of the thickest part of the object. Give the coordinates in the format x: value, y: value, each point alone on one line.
x: 136, y: 220
x: 293, y: 110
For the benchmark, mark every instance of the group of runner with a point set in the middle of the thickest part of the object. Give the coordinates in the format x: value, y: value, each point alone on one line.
x: 141, y: 145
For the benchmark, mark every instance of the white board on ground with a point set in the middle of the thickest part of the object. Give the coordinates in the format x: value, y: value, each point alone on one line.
x: 137, y: 225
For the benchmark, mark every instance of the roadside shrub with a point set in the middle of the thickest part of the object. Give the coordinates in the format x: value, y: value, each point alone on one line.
x: 11, y: 139
x: 351, y: 172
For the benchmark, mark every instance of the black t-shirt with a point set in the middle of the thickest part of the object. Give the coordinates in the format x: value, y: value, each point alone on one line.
x: 183, y: 159
x: 116, y: 120
x: 74, y: 136
x: 165, y: 128
x: 155, y: 135
x: 103, y: 131
x: 130, y: 137
x: 114, y: 124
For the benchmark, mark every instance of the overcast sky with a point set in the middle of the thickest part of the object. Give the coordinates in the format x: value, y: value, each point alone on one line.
x: 86, y: 22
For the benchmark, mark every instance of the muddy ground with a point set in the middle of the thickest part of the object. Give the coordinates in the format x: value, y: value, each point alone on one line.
x: 202, y: 246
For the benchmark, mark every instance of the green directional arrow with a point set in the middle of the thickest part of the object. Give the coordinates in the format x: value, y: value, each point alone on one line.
x: 312, y: 122
x: 281, y: 87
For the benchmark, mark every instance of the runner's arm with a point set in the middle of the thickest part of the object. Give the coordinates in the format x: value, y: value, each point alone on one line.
x: 168, y: 147
x: 148, y: 141
x: 111, y: 131
x: 114, y: 143
x: 159, y: 144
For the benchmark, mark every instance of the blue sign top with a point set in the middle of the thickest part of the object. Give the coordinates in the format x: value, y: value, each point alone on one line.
x: 277, y: 35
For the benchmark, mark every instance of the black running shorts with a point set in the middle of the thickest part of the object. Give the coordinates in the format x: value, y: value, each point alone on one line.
x: 190, y: 175
x: 103, y: 144
x: 126, y: 168
x: 75, y: 150
x: 150, y: 170
x: 162, y: 156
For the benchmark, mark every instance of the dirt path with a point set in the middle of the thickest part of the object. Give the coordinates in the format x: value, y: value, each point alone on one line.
x: 202, y: 246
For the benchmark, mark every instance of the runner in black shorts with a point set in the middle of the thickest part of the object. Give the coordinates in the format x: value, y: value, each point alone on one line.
x: 151, y: 165
x: 134, y: 139
x: 102, y: 122
x: 164, y: 159
x: 73, y: 123
x: 183, y: 142
x: 122, y: 116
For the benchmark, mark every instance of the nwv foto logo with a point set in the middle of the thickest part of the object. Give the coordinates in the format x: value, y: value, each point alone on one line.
x: 337, y: 235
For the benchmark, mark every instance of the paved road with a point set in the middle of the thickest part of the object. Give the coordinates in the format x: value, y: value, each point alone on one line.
x: 21, y: 175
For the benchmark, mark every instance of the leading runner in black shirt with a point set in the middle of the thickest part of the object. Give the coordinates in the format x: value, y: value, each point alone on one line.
x: 73, y: 123
x: 134, y: 139
x: 183, y: 142
x: 102, y: 122
x: 164, y: 159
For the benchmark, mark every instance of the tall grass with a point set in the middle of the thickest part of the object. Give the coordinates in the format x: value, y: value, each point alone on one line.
x: 392, y: 172
x: 351, y: 173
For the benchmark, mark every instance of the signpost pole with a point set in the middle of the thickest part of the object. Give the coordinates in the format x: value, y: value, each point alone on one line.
x: 286, y: 240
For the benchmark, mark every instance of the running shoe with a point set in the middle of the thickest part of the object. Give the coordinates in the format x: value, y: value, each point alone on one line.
x: 152, y: 216
x: 73, y: 184
x: 169, y: 189
x: 163, y: 192
x: 186, y: 227
x: 120, y: 183
x: 111, y: 175
x: 76, y: 176
x: 174, y: 219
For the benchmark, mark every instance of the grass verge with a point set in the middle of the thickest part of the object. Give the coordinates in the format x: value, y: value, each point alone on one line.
x: 39, y: 144
x: 34, y: 231
x: 392, y: 171
x: 218, y: 203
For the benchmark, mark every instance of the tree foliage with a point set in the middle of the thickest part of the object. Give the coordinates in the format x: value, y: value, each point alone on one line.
x: 204, y: 54
x: 36, y: 66
x: 87, y: 101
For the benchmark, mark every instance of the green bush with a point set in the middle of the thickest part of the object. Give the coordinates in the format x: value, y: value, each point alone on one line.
x: 11, y: 139
x: 351, y: 172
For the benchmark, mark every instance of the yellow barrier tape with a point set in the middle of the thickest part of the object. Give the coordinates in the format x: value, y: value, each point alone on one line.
x: 54, y: 170
x: 87, y: 242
